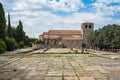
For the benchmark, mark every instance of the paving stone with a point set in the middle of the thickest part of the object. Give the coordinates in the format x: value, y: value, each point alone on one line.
x: 101, y: 69
x: 78, y: 69
x: 42, y: 73
x: 53, y: 66
x: 53, y: 78
x: 112, y: 67
x: 114, y: 75
x: 36, y: 77
x: 101, y: 79
x: 74, y: 64
x: 54, y: 73
x: 16, y: 79
x: 89, y: 68
x: 83, y: 73
x: 22, y: 74
x: 8, y: 75
x: 71, y: 78
x: 69, y: 73
x: 87, y: 78
x: 33, y: 72
x: 97, y: 74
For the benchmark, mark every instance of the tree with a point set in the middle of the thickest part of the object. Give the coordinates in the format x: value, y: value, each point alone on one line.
x: 10, y: 43
x: 9, y: 31
x: 2, y: 23
x: 106, y: 38
x: 20, y: 34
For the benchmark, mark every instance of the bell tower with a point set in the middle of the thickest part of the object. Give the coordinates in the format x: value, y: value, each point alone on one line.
x: 86, y: 29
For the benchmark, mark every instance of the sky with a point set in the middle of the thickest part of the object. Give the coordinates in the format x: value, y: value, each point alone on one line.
x: 39, y: 16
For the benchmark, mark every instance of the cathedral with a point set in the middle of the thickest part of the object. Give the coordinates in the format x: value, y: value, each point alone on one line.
x: 68, y: 38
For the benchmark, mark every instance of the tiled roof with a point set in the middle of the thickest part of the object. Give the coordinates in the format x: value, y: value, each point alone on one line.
x: 71, y: 38
x: 53, y: 37
x: 86, y: 22
x: 45, y: 33
x: 50, y: 37
x: 64, y: 31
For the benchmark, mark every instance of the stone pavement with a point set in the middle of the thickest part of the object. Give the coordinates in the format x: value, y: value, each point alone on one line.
x: 59, y: 67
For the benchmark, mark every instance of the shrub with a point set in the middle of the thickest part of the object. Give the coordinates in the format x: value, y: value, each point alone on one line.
x: 21, y: 44
x: 39, y: 42
x: 17, y: 45
x: 2, y: 46
x: 10, y: 42
x: 30, y: 44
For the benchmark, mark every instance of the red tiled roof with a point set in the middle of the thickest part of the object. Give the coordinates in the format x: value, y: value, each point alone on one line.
x: 64, y: 31
x: 50, y: 37
x: 71, y: 38
x: 53, y: 37
x: 87, y: 22
x: 45, y: 33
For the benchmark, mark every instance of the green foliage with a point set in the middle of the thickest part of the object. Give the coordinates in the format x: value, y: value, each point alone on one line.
x: 15, y: 37
x: 21, y: 44
x: 106, y: 38
x: 2, y: 46
x: 30, y: 44
x: 9, y: 31
x: 17, y: 45
x: 2, y: 23
x: 33, y: 40
x: 39, y: 42
x: 20, y: 34
x: 10, y: 43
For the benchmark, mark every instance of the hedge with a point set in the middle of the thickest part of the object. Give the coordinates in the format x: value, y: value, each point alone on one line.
x: 2, y: 46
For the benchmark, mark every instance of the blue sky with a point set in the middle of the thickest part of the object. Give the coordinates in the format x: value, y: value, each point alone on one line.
x: 43, y: 15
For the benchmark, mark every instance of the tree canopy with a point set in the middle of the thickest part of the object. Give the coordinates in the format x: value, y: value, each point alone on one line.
x: 106, y: 38
x: 2, y: 23
x: 20, y: 36
x: 9, y: 31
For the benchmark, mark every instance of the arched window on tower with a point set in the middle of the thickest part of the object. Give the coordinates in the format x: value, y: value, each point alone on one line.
x: 86, y: 26
x: 89, y: 26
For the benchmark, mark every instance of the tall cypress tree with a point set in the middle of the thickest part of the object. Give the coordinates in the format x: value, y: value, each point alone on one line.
x: 20, y: 33
x: 2, y: 23
x: 9, y: 31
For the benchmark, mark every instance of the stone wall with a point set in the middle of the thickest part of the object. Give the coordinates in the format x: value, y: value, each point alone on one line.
x: 72, y: 43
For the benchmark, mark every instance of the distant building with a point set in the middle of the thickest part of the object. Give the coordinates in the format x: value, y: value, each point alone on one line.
x: 68, y: 38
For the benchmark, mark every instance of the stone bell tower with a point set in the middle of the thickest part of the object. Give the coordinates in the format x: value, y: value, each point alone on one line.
x: 86, y: 29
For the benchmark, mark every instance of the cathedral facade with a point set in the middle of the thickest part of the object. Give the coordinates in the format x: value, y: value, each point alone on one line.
x: 68, y: 38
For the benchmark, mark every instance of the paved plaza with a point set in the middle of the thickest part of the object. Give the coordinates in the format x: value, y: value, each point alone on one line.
x: 32, y: 66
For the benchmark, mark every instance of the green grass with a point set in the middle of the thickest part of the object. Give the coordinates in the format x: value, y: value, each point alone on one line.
x: 63, y: 76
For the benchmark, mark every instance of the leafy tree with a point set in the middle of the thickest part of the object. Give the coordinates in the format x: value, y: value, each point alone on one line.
x: 10, y: 43
x: 2, y: 23
x: 33, y: 40
x: 13, y: 32
x: 20, y: 34
x: 9, y: 31
x: 27, y: 41
x: 106, y: 38
x: 2, y: 46
x: 21, y: 44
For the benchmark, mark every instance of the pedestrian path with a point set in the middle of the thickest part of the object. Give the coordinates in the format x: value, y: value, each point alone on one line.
x: 60, y: 67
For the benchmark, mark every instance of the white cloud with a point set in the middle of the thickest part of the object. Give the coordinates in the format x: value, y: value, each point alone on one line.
x: 106, y: 7
x: 44, y: 21
x: 28, y: 4
x: 37, y: 21
x: 108, y: 1
x: 66, y: 5
x: 1, y: 1
x: 63, y: 5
